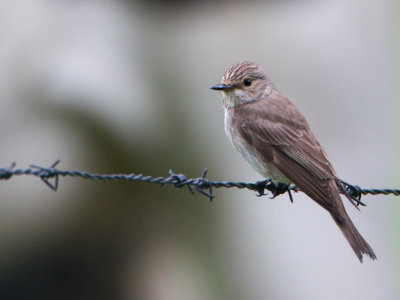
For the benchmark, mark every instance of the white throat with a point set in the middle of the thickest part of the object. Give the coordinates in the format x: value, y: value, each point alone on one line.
x: 235, y: 97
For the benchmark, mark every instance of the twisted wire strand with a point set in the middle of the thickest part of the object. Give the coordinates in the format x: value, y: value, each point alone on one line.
x: 50, y: 176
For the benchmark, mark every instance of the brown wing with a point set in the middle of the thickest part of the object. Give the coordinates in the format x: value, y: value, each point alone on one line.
x: 297, y: 143
x: 279, y: 131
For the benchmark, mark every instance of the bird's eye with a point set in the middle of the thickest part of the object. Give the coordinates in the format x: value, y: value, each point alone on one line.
x: 247, y: 82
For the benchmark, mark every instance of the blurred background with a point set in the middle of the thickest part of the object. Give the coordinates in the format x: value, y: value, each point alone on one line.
x: 123, y: 86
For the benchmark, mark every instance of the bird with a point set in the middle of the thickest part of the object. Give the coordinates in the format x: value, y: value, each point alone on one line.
x: 274, y: 137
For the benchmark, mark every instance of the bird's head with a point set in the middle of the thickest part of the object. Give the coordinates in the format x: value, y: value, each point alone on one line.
x: 243, y: 83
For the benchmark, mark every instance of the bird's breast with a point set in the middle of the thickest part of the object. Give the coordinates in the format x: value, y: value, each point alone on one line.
x: 249, y: 152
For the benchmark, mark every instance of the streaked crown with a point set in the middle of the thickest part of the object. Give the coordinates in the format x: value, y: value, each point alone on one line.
x: 239, y: 70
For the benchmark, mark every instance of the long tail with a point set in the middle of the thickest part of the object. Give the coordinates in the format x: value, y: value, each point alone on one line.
x: 350, y: 232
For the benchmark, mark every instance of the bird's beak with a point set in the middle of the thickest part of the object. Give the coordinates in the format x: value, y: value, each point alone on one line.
x: 222, y: 87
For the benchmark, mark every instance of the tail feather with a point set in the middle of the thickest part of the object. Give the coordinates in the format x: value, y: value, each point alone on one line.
x: 356, y: 241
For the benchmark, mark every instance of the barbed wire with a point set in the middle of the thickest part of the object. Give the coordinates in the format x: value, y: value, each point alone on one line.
x: 50, y: 176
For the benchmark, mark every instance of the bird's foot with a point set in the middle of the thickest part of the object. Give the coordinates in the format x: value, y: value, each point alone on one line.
x: 275, y: 188
x: 261, y: 186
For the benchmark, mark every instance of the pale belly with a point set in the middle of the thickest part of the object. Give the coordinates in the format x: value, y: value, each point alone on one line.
x: 261, y: 165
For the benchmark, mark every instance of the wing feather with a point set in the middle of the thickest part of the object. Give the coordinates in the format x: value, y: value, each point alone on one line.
x: 286, y: 138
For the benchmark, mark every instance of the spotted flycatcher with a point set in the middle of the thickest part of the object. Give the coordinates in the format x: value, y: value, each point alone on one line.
x: 274, y: 137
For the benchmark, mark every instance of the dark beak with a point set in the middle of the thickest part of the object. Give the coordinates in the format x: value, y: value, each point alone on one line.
x: 221, y: 87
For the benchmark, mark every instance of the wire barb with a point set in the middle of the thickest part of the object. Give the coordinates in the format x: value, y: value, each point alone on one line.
x: 48, y: 173
x: 354, y: 191
x: 201, y: 184
x: 6, y: 172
